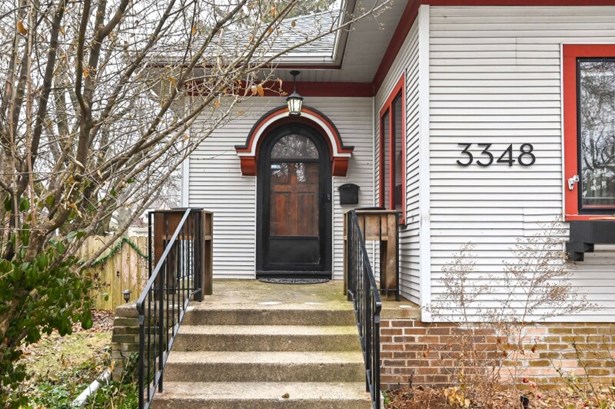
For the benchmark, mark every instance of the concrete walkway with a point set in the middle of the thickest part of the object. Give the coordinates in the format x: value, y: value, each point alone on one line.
x: 250, y: 294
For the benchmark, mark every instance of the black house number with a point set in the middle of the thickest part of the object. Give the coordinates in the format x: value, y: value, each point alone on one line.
x: 524, y: 156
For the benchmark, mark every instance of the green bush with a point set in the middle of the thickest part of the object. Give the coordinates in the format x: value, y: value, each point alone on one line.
x: 37, y: 296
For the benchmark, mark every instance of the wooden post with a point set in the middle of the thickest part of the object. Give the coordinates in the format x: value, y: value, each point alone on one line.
x: 380, y: 226
x: 208, y: 254
x: 165, y: 224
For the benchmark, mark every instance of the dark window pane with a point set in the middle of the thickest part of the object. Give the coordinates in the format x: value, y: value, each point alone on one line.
x: 397, y: 136
x: 294, y: 147
x: 384, y: 135
x: 597, y: 133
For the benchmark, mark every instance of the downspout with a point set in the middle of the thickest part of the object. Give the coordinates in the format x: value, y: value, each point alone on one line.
x: 91, y: 390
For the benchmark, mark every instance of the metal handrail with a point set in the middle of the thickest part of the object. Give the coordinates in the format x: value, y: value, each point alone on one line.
x: 363, y: 291
x: 164, y: 300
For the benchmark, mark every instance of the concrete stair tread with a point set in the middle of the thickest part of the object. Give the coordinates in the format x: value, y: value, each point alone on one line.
x: 265, y: 390
x: 283, y: 330
x: 265, y: 357
x: 272, y: 305
x: 278, y: 314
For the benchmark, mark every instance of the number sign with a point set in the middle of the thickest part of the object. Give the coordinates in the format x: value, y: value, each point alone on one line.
x: 524, y: 156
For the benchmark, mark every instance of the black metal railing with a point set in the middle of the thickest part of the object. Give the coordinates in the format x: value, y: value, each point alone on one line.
x: 176, y: 278
x: 363, y: 291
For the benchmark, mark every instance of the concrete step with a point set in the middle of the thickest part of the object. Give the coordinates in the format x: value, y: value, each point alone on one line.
x: 267, y: 338
x: 258, y: 366
x: 232, y: 395
x: 205, y: 314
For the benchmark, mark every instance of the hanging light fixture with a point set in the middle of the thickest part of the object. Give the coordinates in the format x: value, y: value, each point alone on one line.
x: 294, y: 100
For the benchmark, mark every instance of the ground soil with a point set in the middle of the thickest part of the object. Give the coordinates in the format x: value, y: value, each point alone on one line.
x: 565, y: 397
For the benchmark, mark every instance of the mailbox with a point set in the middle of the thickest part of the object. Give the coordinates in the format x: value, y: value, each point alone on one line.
x: 349, y: 194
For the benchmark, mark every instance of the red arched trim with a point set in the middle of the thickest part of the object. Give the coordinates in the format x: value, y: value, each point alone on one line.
x: 277, y: 117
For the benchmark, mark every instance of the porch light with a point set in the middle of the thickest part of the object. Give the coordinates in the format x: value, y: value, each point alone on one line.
x: 126, y: 294
x: 294, y: 100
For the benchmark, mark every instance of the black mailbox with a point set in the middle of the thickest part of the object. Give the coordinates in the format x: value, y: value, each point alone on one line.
x: 349, y: 194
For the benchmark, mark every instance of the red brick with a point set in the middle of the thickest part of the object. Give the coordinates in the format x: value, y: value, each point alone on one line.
x: 414, y: 331
x: 439, y: 331
x: 402, y: 323
x: 428, y: 339
x: 394, y: 362
x: 404, y: 355
x: 404, y: 339
x: 391, y: 331
x: 392, y: 347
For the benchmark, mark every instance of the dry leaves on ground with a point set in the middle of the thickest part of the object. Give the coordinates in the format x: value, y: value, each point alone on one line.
x: 563, y: 398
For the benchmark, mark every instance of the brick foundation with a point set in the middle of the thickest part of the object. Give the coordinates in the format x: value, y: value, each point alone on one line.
x: 125, y: 338
x: 422, y: 353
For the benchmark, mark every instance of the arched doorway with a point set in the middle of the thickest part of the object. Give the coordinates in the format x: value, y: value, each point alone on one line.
x: 294, y: 203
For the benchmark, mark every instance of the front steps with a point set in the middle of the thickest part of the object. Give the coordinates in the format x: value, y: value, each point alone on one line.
x: 255, y: 356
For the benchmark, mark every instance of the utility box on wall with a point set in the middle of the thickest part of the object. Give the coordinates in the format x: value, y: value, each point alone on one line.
x: 349, y: 194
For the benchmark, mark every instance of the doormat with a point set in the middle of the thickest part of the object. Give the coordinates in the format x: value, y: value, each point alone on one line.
x: 294, y: 280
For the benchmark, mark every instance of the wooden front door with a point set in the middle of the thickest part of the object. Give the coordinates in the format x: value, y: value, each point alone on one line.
x: 294, y: 204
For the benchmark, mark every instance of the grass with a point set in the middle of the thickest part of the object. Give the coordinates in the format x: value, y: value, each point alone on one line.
x: 60, y: 368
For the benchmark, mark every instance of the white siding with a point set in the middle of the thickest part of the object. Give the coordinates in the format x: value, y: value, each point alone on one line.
x: 216, y: 182
x: 495, y: 78
x: 407, y: 62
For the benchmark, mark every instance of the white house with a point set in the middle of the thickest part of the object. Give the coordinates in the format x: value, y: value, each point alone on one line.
x: 476, y: 119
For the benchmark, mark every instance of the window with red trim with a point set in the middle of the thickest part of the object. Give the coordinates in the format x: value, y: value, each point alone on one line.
x: 393, y: 152
x: 589, y: 131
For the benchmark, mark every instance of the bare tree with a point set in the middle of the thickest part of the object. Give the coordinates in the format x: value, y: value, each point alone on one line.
x: 100, y: 101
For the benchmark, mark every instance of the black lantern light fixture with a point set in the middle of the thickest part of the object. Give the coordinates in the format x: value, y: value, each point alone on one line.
x: 294, y: 100
x: 126, y: 294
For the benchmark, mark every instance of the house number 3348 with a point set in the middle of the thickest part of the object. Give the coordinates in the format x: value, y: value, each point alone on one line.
x: 524, y: 155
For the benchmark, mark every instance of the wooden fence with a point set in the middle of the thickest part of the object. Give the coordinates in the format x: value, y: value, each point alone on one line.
x: 121, y: 267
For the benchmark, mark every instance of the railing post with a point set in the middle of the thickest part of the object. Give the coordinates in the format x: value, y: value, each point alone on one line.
x: 161, y: 297
x: 141, y: 359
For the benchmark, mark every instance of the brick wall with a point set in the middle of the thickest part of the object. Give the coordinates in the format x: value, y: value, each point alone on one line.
x: 421, y: 353
x: 125, y: 338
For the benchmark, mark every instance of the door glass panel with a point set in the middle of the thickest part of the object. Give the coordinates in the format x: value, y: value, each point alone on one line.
x: 294, y: 147
x: 597, y: 133
x: 294, y: 199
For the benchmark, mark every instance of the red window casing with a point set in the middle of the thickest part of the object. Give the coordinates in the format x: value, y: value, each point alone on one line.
x: 571, y: 53
x: 392, y: 160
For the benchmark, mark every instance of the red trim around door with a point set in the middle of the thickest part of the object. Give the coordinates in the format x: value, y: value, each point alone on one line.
x: 340, y: 154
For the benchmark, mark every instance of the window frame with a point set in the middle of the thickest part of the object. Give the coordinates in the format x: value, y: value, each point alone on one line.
x: 571, y: 54
x: 397, y: 91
